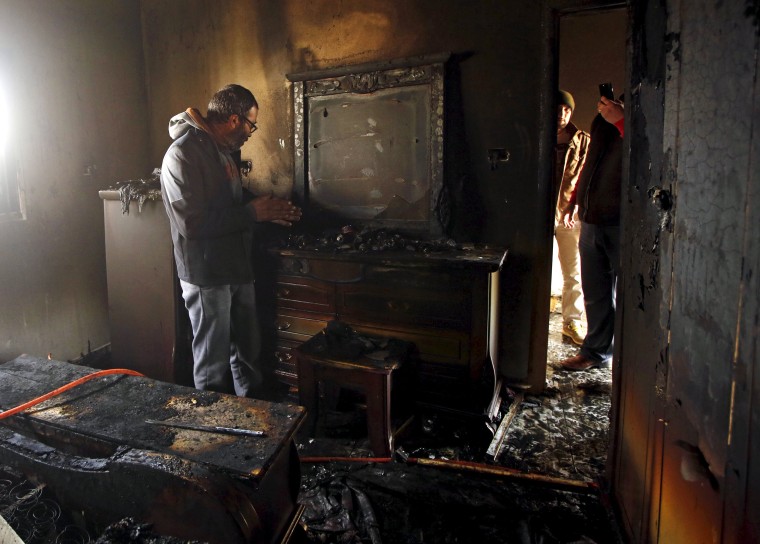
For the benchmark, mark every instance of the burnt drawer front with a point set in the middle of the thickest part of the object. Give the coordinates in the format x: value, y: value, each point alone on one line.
x: 321, y: 269
x: 305, y: 294
x: 299, y: 328
x: 435, y: 346
x: 417, y: 278
x: 450, y: 309
x: 285, y: 361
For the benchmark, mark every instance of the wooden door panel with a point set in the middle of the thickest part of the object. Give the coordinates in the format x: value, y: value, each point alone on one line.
x: 711, y: 199
x: 682, y: 457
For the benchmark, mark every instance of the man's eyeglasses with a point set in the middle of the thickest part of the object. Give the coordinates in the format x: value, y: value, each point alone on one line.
x: 254, y: 128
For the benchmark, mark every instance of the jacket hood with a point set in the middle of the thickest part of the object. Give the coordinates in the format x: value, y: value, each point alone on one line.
x: 182, y: 122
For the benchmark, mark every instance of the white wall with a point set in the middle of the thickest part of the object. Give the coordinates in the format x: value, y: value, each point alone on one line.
x: 74, y: 70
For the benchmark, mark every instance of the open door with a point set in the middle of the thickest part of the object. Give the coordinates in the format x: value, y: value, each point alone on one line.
x: 686, y: 362
x: 582, y: 66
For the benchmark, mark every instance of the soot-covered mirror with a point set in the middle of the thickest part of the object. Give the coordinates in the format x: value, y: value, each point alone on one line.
x: 369, y: 145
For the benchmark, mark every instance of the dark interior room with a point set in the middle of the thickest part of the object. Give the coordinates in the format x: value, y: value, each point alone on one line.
x: 410, y: 324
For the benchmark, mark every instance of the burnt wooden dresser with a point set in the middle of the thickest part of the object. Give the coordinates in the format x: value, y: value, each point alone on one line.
x: 441, y: 302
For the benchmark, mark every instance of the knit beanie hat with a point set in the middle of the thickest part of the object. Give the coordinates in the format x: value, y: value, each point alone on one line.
x: 564, y: 97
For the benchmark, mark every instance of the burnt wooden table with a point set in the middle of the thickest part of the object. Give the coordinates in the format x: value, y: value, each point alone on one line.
x: 371, y: 373
x: 93, y: 448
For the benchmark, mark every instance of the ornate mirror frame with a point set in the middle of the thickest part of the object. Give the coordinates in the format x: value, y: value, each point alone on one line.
x: 408, y: 97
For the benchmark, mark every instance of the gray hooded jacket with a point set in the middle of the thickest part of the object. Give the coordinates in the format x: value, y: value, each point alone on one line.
x: 211, y: 227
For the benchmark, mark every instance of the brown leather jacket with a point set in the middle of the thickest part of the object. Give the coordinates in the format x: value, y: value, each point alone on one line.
x: 575, y: 157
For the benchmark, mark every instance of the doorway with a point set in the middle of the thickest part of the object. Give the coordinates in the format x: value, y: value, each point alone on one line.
x: 591, y: 50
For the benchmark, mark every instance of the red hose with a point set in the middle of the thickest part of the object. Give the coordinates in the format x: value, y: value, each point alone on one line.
x: 506, y: 472
x: 346, y: 459
x: 70, y: 385
x: 467, y: 466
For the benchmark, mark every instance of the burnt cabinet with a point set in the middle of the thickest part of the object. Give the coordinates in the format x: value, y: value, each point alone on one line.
x: 140, y: 287
x: 442, y: 304
x: 149, y: 326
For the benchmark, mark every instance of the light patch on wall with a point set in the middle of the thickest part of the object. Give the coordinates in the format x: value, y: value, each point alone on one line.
x: 358, y: 31
x: 10, y: 196
x: 5, y: 118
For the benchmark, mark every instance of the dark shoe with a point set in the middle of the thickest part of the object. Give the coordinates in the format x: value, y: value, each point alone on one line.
x: 581, y: 362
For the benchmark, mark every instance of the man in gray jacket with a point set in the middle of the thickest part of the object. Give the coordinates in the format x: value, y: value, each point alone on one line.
x: 212, y: 232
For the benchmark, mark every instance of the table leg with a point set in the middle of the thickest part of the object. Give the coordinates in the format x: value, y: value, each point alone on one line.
x: 379, y: 414
x: 307, y: 393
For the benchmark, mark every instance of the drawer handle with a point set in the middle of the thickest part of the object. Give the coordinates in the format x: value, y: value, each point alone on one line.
x: 283, y: 325
x: 283, y: 357
x: 283, y: 292
x: 396, y: 306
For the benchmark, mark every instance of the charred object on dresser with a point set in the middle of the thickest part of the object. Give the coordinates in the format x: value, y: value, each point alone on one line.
x: 365, y: 240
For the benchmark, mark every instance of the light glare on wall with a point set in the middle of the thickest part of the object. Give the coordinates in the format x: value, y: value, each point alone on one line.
x: 5, y: 118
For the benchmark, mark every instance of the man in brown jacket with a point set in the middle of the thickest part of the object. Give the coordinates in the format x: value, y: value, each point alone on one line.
x: 570, y: 155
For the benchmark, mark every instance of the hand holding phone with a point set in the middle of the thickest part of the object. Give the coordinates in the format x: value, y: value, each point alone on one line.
x: 605, y: 90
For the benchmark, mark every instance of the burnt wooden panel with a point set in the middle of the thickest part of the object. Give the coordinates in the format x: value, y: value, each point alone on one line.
x: 742, y: 474
x: 712, y: 209
x: 686, y: 365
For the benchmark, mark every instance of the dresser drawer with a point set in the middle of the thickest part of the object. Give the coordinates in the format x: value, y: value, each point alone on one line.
x: 298, y: 327
x: 321, y: 269
x: 408, y: 306
x: 305, y: 294
x: 285, y: 361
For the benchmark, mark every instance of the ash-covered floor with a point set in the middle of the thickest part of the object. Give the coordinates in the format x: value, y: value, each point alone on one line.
x: 543, y: 485
x: 554, y: 452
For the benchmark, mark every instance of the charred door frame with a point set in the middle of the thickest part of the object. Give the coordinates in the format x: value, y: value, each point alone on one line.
x: 553, y: 11
x: 637, y: 390
x: 636, y: 493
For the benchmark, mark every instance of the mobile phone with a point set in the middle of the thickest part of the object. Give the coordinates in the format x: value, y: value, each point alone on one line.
x: 605, y: 90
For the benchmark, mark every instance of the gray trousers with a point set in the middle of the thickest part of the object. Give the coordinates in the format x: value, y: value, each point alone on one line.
x: 226, y: 337
x: 599, y: 249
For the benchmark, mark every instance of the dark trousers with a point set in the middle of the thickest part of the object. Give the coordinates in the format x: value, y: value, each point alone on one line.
x: 600, y: 264
x: 226, y: 337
